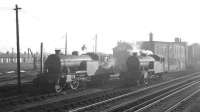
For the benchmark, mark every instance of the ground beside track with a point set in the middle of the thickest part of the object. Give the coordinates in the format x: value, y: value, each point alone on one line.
x: 5, y: 67
x: 10, y: 78
x: 8, y: 83
x: 194, y: 106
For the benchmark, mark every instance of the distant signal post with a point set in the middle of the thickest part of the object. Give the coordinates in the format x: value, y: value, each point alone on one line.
x: 18, y: 49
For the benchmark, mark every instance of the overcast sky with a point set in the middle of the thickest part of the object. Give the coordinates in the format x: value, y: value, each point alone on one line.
x: 48, y: 21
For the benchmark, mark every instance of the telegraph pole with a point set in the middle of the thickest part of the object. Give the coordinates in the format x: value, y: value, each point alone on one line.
x: 66, y: 44
x: 18, y: 48
x: 96, y: 43
x: 41, y: 58
x: 12, y: 55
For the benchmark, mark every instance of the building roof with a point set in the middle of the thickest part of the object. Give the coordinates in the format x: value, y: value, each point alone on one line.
x: 179, y: 43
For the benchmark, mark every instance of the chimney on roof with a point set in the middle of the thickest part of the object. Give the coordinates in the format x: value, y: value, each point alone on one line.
x: 150, y: 36
x: 176, y: 39
x: 75, y: 53
x: 57, y: 52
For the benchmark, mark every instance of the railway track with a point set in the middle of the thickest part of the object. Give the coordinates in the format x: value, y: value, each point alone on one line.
x: 14, y: 101
x: 22, y: 101
x: 184, y: 103
x: 167, y: 101
x: 133, y: 100
x: 73, y: 102
x: 88, y: 101
x: 146, y: 102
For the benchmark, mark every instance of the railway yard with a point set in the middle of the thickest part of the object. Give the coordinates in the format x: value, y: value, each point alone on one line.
x: 93, y: 56
x: 174, y: 92
x: 123, y: 81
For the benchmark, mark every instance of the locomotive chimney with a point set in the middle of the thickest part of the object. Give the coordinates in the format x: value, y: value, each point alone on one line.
x: 150, y: 36
x: 176, y: 39
x: 57, y: 52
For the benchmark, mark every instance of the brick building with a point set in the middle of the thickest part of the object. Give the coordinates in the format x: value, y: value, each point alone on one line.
x: 194, y: 55
x: 174, y: 53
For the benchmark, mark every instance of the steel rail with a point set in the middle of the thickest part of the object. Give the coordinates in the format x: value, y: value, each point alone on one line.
x: 131, y: 93
x: 150, y: 105
x: 147, y: 99
x: 183, y: 101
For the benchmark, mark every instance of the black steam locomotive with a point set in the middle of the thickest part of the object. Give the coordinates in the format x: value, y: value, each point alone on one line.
x: 74, y: 71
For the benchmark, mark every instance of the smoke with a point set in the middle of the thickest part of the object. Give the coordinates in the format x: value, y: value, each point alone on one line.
x: 147, y: 52
x: 137, y: 48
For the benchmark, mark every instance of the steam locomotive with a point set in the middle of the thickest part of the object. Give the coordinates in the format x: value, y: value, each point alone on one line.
x: 131, y: 66
x: 76, y: 70
x: 71, y: 70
